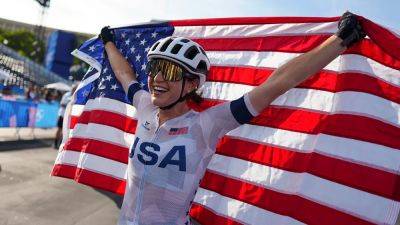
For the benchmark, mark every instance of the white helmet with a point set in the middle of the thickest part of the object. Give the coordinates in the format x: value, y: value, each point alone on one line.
x: 183, y: 51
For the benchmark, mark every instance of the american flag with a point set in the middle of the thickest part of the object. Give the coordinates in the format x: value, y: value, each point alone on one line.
x: 325, y: 152
x: 178, y: 131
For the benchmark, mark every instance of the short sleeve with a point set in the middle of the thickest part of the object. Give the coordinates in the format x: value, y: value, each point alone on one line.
x: 219, y: 120
x: 139, y: 98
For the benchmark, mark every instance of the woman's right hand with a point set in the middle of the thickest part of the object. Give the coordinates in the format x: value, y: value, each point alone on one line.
x: 107, y: 35
x: 120, y: 66
x: 349, y: 29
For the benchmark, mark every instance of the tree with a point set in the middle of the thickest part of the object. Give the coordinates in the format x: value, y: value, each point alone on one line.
x: 25, y: 43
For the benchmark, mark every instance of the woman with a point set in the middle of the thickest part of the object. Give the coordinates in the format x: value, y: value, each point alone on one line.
x: 173, y: 143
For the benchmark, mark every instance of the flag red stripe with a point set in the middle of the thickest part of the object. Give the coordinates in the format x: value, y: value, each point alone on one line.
x: 371, y: 49
x: 284, y: 204
x: 122, y: 122
x: 378, y: 34
x: 73, y: 121
x: 324, y: 80
x: 379, y: 182
x: 294, y: 44
x: 208, y: 217
x: 342, y: 125
x: 361, y: 128
x: 382, y: 36
x: 90, y: 178
x: 99, y: 148
x: 63, y: 170
x: 251, y: 20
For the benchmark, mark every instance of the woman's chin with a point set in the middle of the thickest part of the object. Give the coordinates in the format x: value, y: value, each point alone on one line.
x: 157, y: 101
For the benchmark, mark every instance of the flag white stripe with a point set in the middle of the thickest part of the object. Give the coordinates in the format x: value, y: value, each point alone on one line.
x: 90, y: 79
x: 89, y: 60
x: 106, y: 104
x: 339, y: 196
x: 343, y: 63
x: 241, y: 211
x: 259, y: 30
x: 294, y: 141
x: 77, y: 109
x: 353, y: 150
x: 348, y: 102
x: 365, y: 153
x: 93, y: 163
x: 334, y: 195
x: 361, y: 152
x: 103, y: 133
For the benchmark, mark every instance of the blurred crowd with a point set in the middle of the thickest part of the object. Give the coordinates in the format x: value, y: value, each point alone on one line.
x: 31, y: 93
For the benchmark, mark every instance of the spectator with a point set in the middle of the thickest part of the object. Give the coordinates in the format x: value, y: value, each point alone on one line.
x: 30, y: 94
x: 7, y: 93
x: 66, y: 98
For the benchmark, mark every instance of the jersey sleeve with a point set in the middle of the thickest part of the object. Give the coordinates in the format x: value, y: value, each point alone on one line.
x: 219, y: 120
x: 139, y: 98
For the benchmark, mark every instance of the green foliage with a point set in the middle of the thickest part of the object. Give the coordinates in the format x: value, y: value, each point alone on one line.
x: 24, y: 42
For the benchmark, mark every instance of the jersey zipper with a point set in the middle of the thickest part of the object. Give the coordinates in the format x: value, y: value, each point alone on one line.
x: 141, y: 184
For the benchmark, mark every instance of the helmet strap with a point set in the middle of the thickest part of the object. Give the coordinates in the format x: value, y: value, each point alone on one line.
x: 180, y: 99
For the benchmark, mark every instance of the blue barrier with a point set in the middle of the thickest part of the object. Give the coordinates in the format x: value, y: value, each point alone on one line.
x: 17, y: 90
x: 46, y: 115
x: 23, y: 113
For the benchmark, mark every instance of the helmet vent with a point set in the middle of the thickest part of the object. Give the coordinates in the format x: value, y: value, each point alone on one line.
x: 165, y: 45
x: 176, y: 49
x: 185, y: 40
x: 202, y: 66
x: 155, y: 46
x: 191, y: 52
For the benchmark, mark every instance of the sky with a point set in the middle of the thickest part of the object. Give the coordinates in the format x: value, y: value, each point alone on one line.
x: 89, y: 16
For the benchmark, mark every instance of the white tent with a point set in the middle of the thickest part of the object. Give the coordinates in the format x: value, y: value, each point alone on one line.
x: 59, y: 86
x: 4, y: 74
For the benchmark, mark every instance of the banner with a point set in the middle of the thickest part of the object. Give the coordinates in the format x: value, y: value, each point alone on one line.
x: 22, y: 113
x: 46, y: 115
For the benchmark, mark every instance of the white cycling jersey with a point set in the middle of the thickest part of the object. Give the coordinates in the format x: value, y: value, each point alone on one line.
x: 167, y: 161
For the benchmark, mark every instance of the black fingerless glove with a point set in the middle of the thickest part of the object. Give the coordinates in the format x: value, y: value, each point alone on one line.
x: 349, y: 29
x: 107, y: 35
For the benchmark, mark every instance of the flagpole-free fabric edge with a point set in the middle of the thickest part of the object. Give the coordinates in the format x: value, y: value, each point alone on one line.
x: 251, y: 20
x: 372, y: 31
x: 86, y: 58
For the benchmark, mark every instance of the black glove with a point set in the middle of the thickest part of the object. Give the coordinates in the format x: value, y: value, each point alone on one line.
x: 349, y: 29
x: 107, y: 35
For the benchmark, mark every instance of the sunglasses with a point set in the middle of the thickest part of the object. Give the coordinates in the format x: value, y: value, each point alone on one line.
x: 169, y: 70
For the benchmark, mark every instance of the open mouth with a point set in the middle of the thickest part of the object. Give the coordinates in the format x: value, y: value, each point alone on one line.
x: 159, y: 90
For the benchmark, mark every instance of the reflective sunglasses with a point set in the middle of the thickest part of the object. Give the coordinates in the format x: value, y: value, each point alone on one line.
x: 169, y: 70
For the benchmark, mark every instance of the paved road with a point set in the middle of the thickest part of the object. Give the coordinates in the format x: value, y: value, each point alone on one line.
x: 29, y: 196
x: 12, y: 134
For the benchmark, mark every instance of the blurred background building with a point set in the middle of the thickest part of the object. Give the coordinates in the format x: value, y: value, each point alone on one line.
x: 36, y: 70
x: 32, y: 56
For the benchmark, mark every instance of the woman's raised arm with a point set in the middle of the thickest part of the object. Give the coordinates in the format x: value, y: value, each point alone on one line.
x: 300, y: 68
x: 120, y: 66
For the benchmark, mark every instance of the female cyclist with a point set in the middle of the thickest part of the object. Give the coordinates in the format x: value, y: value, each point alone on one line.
x: 173, y: 143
